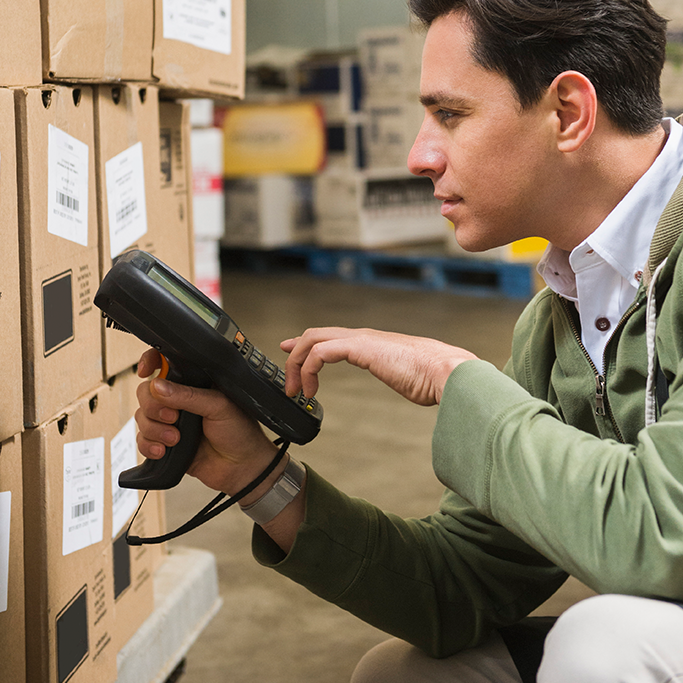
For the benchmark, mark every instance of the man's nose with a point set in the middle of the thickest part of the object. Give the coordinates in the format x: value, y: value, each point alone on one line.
x: 425, y: 157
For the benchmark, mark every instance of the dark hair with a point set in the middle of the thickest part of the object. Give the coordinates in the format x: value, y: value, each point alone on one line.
x: 619, y: 45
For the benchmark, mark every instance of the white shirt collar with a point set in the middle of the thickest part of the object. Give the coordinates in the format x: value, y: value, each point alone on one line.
x: 623, y: 238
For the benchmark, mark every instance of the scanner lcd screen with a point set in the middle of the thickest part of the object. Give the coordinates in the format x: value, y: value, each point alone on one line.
x: 182, y: 294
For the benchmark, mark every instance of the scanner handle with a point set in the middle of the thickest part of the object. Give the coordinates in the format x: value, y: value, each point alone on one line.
x: 167, y: 471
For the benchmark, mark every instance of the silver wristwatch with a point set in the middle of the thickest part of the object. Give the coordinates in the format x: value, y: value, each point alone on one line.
x: 283, y: 492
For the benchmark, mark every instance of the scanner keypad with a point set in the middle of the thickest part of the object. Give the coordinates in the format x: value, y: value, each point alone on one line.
x: 270, y: 371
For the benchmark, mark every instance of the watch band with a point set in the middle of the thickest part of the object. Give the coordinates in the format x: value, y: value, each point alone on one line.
x: 283, y: 492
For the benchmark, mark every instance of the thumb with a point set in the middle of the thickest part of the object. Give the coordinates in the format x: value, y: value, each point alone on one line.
x: 208, y: 403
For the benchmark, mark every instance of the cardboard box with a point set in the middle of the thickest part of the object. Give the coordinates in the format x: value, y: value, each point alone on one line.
x: 11, y: 411
x: 68, y: 566
x: 133, y: 566
x: 334, y: 81
x: 129, y: 196
x: 20, y: 49
x: 391, y: 126
x: 208, y: 209
x: 175, y: 211
x: 97, y: 40
x: 346, y: 147
x: 390, y: 58
x: 199, y: 47
x: 12, y: 618
x: 376, y: 209
x: 58, y: 244
x: 267, y: 211
x: 273, y: 138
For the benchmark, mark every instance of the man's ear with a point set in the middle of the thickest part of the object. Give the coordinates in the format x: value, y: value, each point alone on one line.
x: 576, y: 107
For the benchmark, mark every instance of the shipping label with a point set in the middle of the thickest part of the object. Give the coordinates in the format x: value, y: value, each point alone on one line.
x: 126, y: 204
x: 83, y: 512
x: 202, y: 23
x: 5, y: 512
x: 124, y: 455
x: 67, y: 186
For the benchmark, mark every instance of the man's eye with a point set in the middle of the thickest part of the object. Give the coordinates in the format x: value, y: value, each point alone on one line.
x: 444, y: 116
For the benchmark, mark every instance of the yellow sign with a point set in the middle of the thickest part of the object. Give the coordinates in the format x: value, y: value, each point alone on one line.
x: 528, y: 248
x: 274, y: 138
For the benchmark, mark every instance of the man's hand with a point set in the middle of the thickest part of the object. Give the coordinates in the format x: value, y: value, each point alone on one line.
x: 415, y: 367
x: 234, y: 449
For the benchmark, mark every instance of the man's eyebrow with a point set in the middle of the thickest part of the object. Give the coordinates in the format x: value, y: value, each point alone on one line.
x: 444, y: 100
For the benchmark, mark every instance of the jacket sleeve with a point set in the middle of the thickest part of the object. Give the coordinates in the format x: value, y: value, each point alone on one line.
x: 610, y: 514
x: 442, y: 583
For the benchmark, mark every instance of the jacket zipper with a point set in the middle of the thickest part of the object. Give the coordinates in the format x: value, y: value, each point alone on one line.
x: 602, y: 406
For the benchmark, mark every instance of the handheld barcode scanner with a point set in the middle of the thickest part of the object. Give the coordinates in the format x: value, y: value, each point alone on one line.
x: 202, y: 347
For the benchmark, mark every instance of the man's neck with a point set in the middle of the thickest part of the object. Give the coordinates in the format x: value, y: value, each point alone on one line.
x: 609, y: 167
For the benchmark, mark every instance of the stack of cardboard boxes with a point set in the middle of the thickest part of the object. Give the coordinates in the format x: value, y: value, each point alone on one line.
x: 94, y: 160
x: 382, y: 204
x: 271, y: 151
x: 363, y: 196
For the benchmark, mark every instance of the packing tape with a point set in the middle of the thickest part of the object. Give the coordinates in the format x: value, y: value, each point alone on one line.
x: 113, y: 47
x: 132, y: 106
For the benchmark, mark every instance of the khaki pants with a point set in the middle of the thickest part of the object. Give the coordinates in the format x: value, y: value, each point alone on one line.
x: 604, y: 639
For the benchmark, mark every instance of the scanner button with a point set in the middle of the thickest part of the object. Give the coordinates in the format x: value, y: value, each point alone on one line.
x: 269, y: 369
x: 239, y: 339
x: 279, y: 379
x: 310, y: 406
x: 256, y: 358
x: 246, y: 348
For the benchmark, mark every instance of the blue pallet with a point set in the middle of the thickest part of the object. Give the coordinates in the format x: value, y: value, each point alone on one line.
x: 406, y: 271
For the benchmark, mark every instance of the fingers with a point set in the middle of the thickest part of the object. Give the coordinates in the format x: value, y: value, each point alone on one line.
x: 153, y: 436
x: 208, y: 403
x: 309, y: 352
x: 149, y: 362
x: 160, y: 404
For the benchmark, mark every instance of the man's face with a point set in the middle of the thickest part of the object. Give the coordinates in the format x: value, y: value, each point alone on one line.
x: 489, y: 161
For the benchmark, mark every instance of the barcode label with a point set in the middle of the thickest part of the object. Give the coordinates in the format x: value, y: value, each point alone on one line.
x: 83, y: 494
x: 124, y: 455
x: 82, y: 509
x: 68, y: 202
x: 67, y: 186
x: 126, y: 211
x: 126, y: 205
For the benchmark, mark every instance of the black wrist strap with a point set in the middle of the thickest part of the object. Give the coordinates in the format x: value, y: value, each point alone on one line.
x: 212, y: 509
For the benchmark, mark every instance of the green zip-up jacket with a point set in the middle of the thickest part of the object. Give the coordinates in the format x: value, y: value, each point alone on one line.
x: 539, y: 486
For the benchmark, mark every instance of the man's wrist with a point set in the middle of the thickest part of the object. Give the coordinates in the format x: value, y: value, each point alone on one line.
x: 237, y: 476
x: 282, y: 492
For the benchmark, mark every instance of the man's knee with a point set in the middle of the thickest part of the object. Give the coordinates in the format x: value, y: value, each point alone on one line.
x: 395, y: 661
x: 385, y: 663
x: 614, y: 638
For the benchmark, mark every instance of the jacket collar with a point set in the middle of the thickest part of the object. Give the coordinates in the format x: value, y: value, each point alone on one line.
x: 667, y: 232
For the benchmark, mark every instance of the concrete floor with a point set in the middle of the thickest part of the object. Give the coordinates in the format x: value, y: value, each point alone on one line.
x: 373, y: 444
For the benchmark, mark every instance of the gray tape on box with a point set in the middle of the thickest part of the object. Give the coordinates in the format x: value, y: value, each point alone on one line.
x: 113, y: 52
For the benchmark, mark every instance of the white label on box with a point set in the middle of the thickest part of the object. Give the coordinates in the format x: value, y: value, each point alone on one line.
x: 5, y: 512
x: 83, y: 510
x: 202, y: 23
x: 127, y: 207
x: 67, y: 186
x: 124, y: 455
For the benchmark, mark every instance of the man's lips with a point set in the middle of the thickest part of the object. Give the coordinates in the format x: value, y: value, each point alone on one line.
x: 448, y: 204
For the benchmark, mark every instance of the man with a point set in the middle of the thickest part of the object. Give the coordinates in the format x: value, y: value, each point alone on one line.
x: 541, y: 118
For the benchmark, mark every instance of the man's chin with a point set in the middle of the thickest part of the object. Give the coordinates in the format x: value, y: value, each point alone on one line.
x: 474, y: 243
